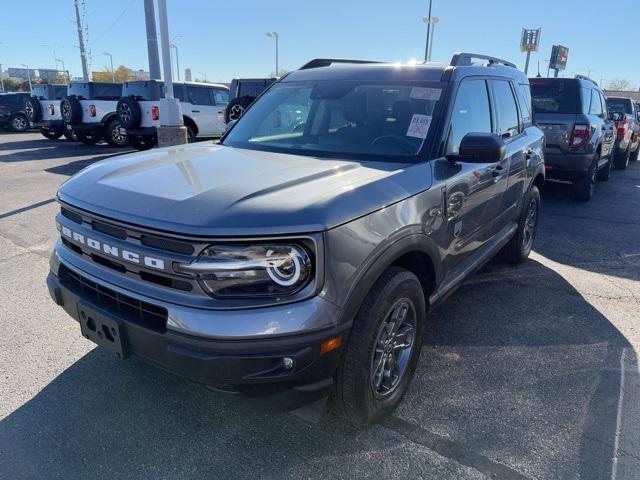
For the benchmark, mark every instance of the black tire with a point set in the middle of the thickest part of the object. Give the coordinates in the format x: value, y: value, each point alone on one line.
x: 634, y: 155
x: 584, y: 188
x: 356, y: 397
x: 51, y: 134
x: 605, y: 173
x: 69, y: 134
x: 129, y: 113
x: 191, y: 134
x: 520, y: 245
x: 33, y: 109
x: 113, y: 136
x: 622, y: 161
x: 71, y: 110
x: 141, y: 143
x: 19, y: 122
x: 89, y: 138
x: 236, y: 107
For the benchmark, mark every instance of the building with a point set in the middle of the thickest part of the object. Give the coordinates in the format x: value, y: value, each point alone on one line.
x: 44, y: 74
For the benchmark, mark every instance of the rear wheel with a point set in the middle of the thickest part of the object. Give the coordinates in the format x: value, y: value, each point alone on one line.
x: 141, y: 143
x: 583, y: 189
x: 622, y: 161
x: 383, y: 349
x: 19, y: 123
x: 520, y: 245
x: 113, y: 135
x: 51, y: 134
x: 89, y: 138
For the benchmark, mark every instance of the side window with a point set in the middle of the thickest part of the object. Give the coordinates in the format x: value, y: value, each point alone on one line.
x: 507, y: 110
x: 471, y: 113
x: 596, y: 104
x: 199, y: 95
x: 525, y: 102
x: 587, y: 100
x: 178, y: 92
x: 220, y: 97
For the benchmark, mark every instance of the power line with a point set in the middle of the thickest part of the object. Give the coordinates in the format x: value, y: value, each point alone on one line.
x: 118, y: 18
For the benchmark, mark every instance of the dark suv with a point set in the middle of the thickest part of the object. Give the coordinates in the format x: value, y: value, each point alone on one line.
x: 12, y: 114
x: 625, y: 113
x: 299, y: 258
x: 579, y: 135
x: 242, y: 92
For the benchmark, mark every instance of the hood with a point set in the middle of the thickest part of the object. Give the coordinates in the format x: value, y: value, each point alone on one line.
x: 211, y: 190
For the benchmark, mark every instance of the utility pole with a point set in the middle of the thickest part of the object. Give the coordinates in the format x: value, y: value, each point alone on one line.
x: 276, y: 36
x: 83, y: 52
x: 171, y: 130
x: 152, y: 40
x: 1, y: 79
x: 426, y: 47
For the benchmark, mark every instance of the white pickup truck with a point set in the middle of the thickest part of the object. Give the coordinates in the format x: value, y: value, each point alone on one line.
x: 202, y: 105
x: 43, y: 110
x: 90, y: 109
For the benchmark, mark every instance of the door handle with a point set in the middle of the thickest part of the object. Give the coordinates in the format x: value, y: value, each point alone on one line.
x: 195, y: 111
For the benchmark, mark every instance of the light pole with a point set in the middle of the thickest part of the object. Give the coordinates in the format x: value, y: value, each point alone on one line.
x: 175, y: 47
x: 1, y: 76
x: 64, y: 70
x: 427, y: 20
x: 28, y: 74
x: 113, y: 73
x: 433, y: 22
x: 275, y: 35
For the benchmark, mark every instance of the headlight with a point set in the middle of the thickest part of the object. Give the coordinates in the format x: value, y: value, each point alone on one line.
x: 267, y: 270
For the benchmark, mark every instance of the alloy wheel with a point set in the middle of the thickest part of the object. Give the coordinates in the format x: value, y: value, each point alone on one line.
x: 530, y: 225
x: 118, y: 138
x: 393, y: 347
x: 19, y: 123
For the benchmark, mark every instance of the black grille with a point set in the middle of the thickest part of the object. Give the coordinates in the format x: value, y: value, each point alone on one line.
x: 125, y: 307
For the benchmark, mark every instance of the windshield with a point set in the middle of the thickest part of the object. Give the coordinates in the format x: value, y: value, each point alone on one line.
x: 619, y: 105
x: 339, y: 118
x: 554, y: 96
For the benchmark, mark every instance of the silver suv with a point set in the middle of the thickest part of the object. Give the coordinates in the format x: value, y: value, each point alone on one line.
x: 298, y: 258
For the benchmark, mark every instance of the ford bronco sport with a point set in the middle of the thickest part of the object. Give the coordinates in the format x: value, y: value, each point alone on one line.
x: 579, y: 134
x: 292, y: 262
x: 43, y: 110
x: 12, y: 114
x: 90, y: 109
x: 202, y: 105
x: 627, y: 123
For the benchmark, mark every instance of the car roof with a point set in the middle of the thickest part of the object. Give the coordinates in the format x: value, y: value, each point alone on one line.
x: 460, y: 67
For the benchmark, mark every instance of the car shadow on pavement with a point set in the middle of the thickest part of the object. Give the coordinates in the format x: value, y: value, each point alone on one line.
x: 30, y: 150
x: 574, y: 231
x: 523, y: 372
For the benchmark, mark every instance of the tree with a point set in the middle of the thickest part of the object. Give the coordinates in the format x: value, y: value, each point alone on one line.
x: 122, y: 74
x: 619, y: 84
x: 12, y: 84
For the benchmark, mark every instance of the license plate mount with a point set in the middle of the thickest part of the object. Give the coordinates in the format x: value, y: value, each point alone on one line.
x: 102, y: 329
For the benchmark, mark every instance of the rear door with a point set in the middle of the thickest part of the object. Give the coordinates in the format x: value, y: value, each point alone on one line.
x: 201, y: 109
x: 220, y: 100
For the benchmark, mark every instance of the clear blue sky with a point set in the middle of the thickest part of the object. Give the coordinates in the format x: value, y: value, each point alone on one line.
x: 226, y: 39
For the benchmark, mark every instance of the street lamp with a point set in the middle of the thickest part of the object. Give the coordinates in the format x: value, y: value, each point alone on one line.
x: 113, y: 73
x: 427, y: 20
x: 275, y: 35
x: 64, y: 70
x: 28, y: 74
x: 175, y: 47
x: 430, y: 33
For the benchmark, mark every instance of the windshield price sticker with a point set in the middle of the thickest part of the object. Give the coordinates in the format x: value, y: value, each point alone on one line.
x: 421, y: 93
x: 419, y: 126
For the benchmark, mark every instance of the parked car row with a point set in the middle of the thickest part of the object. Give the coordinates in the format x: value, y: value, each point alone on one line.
x: 587, y: 135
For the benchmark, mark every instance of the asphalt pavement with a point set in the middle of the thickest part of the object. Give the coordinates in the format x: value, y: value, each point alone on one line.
x: 526, y: 372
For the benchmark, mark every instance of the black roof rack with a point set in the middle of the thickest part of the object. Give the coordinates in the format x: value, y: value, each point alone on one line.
x: 465, y: 59
x: 584, y: 77
x: 325, y: 62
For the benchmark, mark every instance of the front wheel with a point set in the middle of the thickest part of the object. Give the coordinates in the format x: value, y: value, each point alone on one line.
x: 51, y: 134
x: 70, y: 135
x: 622, y: 161
x: 584, y: 188
x: 605, y: 173
x: 114, y: 136
x: 88, y: 138
x: 520, y: 245
x: 634, y: 155
x: 141, y: 143
x: 383, y: 349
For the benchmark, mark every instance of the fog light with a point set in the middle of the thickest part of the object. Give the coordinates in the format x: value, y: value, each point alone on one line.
x: 287, y: 363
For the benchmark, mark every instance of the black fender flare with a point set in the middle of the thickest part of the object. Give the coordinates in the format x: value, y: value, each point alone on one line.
x: 381, y: 261
x: 109, y: 117
x: 187, y: 119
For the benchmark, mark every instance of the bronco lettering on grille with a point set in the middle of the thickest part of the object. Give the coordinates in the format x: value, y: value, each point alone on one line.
x: 112, y: 250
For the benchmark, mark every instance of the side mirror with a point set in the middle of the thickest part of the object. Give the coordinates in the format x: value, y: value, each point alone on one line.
x: 616, y: 116
x: 480, y: 147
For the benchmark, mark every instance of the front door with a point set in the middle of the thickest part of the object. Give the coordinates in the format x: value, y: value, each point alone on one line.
x: 473, y: 191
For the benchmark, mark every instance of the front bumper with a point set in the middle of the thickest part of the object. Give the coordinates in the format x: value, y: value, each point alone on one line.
x: 570, y: 166
x: 253, y: 366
